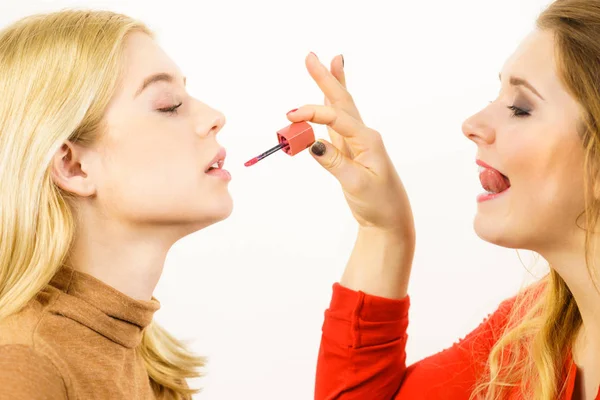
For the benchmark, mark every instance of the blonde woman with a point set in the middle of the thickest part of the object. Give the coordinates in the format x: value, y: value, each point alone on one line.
x: 105, y: 162
x: 538, y: 144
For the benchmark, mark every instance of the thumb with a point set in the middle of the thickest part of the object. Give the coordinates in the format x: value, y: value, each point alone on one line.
x: 332, y: 159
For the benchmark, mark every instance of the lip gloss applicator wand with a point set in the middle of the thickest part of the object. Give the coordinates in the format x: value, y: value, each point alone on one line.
x: 266, y: 154
x: 292, y: 140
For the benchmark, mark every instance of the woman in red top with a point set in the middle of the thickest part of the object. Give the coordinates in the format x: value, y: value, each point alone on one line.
x: 538, y: 143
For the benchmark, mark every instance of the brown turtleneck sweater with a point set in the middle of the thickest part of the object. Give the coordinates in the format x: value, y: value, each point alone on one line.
x: 78, y: 339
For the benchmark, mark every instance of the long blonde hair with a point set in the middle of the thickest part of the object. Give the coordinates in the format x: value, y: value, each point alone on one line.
x: 58, y: 72
x: 531, y: 353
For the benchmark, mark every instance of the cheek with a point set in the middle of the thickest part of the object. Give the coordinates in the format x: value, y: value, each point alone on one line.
x: 522, y: 156
x: 143, y: 163
x: 546, y: 177
x: 567, y: 179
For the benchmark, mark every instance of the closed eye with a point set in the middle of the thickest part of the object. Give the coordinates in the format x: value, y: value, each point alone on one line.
x: 170, y: 110
x: 518, y: 112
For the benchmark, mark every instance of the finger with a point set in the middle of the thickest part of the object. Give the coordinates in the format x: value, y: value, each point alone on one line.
x: 329, y: 85
x: 337, y: 119
x: 339, y: 142
x: 334, y: 90
x: 331, y: 158
x: 337, y: 70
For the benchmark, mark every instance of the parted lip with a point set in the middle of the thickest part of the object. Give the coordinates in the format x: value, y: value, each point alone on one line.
x: 485, y: 165
x: 219, y: 158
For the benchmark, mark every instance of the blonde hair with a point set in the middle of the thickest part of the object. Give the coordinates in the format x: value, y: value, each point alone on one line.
x: 544, y: 322
x: 58, y: 72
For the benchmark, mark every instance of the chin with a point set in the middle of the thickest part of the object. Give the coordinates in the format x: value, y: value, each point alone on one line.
x: 218, y: 212
x: 496, y: 233
x: 203, y: 216
x: 225, y: 210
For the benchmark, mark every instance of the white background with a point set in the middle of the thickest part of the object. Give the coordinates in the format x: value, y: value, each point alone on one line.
x: 250, y: 292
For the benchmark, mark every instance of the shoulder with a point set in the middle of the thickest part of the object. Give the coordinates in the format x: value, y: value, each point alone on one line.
x: 36, y: 325
x: 23, y: 326
x: 19, y: 328
x: 27, y: 374
x: 513, y: 310
x: 29, y: 361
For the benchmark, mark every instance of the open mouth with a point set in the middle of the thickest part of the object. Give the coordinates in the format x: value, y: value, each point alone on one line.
x: 217, y: 162
x: 216, y: 165
x: 492, y: 180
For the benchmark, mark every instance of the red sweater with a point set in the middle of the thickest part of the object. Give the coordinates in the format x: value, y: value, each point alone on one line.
x: 363, y: 354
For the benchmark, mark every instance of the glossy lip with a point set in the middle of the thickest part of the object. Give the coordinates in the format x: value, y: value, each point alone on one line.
x: 489, y: 196
x: 484, y: 165
x: 220, y: 173
x: 219, y: 158
x: 486, y: 196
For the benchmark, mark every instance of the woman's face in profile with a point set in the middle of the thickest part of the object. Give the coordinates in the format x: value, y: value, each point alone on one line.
x: 152, y: 165
x: 530, y: 134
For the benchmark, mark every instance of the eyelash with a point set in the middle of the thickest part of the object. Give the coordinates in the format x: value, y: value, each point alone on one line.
x: 170, y: 110
x: 518, y: 112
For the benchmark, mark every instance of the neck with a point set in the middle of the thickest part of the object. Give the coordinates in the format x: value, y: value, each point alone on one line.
x: 572, y: 268
x: 122, y: 257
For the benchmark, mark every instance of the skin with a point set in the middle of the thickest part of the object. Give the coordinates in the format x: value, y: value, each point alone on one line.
x: 542, y: 154
x: 142, y: 185
x: 357, y: 158
x: 122, y: 238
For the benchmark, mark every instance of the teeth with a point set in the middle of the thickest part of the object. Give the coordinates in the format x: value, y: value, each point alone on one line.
x: 215, y: 165
x: 480, y: 169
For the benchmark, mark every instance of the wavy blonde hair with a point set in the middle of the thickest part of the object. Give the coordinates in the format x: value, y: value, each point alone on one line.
x: 58, y: 72
x: 531, y: 353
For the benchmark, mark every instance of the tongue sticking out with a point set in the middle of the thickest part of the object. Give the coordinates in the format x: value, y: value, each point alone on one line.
x: 493, y: 181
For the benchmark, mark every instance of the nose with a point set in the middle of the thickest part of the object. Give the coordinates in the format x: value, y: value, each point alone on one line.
x: 478, y: 128
x: 208, y: 120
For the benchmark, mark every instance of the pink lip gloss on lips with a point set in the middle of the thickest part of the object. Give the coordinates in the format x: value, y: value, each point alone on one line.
x: 215, y: 168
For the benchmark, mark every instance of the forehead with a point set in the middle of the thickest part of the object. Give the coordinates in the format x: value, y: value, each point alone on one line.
x: 144, y: 57
x: 535, y: 61
x: 536, y: 51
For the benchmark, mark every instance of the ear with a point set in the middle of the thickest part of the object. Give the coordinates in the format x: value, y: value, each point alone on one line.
x: 69, y: 171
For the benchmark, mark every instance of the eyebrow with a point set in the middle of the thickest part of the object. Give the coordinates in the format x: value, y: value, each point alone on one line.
x: 160, y: 77
x: 516, y: 81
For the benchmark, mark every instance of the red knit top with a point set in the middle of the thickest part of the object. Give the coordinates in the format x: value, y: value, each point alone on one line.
x: 363, y: 354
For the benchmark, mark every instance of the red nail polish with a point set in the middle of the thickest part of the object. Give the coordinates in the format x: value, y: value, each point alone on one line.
x: 291, y: 111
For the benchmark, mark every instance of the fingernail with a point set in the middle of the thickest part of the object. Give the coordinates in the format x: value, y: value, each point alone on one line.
x: 291, y: 111
x: 343, y: 62
x: 318, y: 149
x: 314, y: 55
